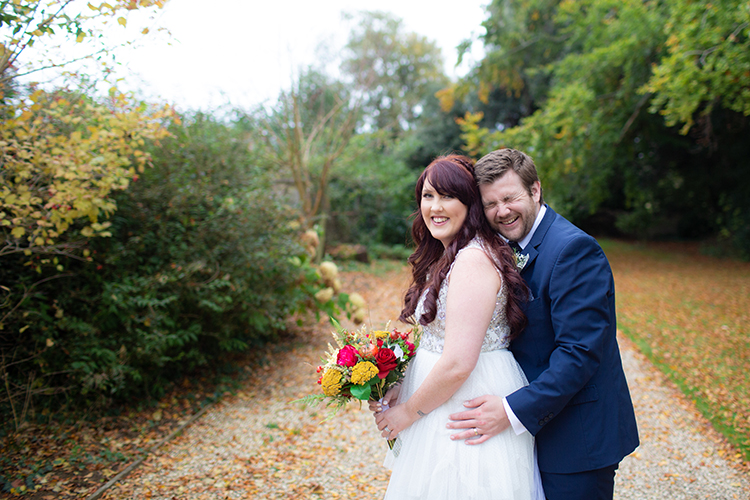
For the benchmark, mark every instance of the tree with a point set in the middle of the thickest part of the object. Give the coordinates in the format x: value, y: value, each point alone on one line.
x: 600, y: 152
x: 392, y: 70
x: 521, y: 38
x: 435, y: 131
x: 24, y: 22
x: 707, y: 62
x: 372, y: 192
x: 63, y: 155
x: 575, y: 135
x: 202, y: 262
x: 305, y: 134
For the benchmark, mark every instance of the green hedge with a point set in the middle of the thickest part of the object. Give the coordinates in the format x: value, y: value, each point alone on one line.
x: 371, y: 195
x: 202, y: 261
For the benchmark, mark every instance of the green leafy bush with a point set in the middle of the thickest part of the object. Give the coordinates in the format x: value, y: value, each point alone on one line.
x: 372, y: 196
x: 202, y: 261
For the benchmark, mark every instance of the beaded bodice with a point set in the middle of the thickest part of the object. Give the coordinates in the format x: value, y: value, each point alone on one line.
x: 433, y: 334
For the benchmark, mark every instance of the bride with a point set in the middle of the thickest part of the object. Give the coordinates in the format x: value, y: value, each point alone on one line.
x: 466, y: 292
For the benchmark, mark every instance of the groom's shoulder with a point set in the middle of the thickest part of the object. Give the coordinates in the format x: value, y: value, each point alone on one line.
x: 563, y: 233
x: 561, y: 227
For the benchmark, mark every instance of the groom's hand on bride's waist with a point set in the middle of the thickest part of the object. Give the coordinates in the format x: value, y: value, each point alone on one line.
x: 485, y: 417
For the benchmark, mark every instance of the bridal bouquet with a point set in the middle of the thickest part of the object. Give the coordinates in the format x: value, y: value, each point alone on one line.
x: 363, y: 365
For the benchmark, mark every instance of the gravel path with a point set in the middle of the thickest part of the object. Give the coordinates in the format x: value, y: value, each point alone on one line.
x: 257, y: 445
x: 681, y: 456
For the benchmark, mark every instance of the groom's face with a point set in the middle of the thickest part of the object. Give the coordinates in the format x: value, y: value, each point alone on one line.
x: 509, y: 207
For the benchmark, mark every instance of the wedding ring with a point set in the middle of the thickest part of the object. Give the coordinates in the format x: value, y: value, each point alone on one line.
x: 476, y: 432
x: 387, y: 429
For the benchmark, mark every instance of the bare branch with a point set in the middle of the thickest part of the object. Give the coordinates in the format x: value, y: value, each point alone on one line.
x: 13, y: 246
x: 5, y: 79
x: 633, y: 116
x: 27, y: 292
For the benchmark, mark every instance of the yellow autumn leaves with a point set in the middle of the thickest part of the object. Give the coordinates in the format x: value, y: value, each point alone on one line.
x: 63, y: 157
x: 63, y: 154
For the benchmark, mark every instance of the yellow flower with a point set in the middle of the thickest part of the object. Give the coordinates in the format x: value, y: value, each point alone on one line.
x: 359, y: 316
x: 363, y: 372
x: 328, y: 271
x: 310, y: 238
x: 324, y: 295
x: 380, y: 334
x: 331, y: 382
x: 357, y: 301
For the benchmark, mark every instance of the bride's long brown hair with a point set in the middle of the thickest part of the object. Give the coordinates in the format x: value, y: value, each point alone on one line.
x: 454, y: 175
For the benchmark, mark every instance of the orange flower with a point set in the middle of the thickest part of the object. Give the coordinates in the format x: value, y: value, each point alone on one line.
x: 369, y: 350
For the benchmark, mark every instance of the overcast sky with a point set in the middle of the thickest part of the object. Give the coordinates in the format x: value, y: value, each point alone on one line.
x: 244, y: 51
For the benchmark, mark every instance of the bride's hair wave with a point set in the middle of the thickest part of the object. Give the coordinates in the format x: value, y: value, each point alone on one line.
x: 453, y: 175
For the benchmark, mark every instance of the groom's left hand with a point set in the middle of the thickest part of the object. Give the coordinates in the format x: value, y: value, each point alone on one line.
x: 486, y: 415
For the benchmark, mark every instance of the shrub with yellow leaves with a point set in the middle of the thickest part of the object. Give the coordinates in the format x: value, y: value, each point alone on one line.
x: 63, y: 156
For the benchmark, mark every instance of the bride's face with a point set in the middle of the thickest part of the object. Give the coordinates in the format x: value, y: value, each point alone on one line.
x: 442, y: 213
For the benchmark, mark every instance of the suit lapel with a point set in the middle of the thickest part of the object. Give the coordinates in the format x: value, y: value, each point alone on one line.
x: 539, y: 234
x: 532, y: 253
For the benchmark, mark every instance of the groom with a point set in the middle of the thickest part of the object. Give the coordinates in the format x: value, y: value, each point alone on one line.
x: 577, y: 403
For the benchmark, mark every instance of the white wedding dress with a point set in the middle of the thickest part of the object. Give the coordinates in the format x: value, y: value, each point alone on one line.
x: 425, y: 462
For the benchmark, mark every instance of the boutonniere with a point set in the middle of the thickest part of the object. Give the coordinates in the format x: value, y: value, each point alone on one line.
x: 521, y: 259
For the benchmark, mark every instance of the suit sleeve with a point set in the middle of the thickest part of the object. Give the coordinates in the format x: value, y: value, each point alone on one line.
x: 580, y: 284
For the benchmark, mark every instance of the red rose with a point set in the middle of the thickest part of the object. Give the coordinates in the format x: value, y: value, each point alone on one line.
x: 410, y: 346
x: 347, y: 356
x: 386, y: 362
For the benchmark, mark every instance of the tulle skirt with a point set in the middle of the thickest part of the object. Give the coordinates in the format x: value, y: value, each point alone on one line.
x: 427, y: 464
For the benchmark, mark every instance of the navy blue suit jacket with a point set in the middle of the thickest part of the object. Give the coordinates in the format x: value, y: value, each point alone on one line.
x: 577, y: 403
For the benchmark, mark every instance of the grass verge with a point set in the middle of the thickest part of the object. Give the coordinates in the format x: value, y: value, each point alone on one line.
x: 690, y: 315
